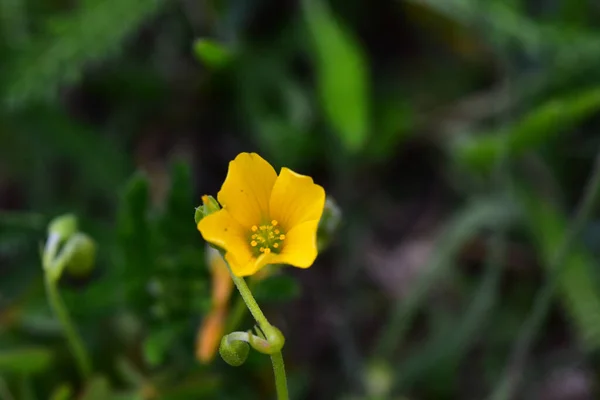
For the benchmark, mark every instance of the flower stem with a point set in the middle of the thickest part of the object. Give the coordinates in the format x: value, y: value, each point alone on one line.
x: 280, y: 379
x: 81, y: 356
x: 252, y: 305
x: 265, y: 326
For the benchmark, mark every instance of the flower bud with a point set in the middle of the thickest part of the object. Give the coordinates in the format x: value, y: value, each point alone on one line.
x: 329, y: 223
x: 272, y: 340
x: 234, y: 352
x: 209, y: 206
x: 63, y: 226
x: 379, y: 379
x: 83, y: 255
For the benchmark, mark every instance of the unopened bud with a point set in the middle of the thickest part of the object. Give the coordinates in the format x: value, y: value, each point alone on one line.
x: 209, y: 206
x: 83, y: 255
x: 273, y: 340
x: 379, y: 379
x: 234, y: 352
x: 63, y: 226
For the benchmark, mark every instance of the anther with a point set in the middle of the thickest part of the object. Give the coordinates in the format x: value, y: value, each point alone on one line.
x: 274, y: 222
x: 254, y: 228
x: 281, y: 237
x: 253, y: 243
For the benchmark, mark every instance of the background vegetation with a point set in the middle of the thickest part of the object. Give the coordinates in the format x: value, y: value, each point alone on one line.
x: 459, y: 138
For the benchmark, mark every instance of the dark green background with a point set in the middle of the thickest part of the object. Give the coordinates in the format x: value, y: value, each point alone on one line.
x: 457, y: 136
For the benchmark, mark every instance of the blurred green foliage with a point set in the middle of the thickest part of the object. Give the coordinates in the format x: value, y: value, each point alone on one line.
x: 482, y: 116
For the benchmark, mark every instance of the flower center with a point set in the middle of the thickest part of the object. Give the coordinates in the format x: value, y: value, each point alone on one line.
x: 266, y: 238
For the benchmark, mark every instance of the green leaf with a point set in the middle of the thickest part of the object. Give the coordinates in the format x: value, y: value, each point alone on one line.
x: 57, y: 56
x: 157, y: 344
x: 279, y: 288
x: 25, y: 361
x: 98, y: 388
x: 532, y: 131
x: 212, y: 53
x: 175, y: 221
x: 579, y: 289
x: 342, y: 73
x: 63, y: 392
x: 136, y: 240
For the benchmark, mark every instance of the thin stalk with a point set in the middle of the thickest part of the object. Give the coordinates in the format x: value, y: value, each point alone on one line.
x: 252, y: 305
x: 280, y: 378
x: 74, y: 340
x: 265, y: 326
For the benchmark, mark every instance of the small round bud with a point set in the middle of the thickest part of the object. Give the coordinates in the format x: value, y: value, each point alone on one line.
x: 83, y: 256
x: 209, y: 206
x: 379, y: 379
x: 273, y: 341
x: 234, y: 352
x: 63, y: 226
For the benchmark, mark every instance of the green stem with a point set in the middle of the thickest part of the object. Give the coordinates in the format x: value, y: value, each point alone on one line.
x: 280, y: 379
x: 81, y: 356
x: 239, y: 310
x: 252, y: 305
x: 265, y: 326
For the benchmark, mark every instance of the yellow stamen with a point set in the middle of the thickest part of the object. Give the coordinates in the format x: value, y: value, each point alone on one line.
x: 267, y: 239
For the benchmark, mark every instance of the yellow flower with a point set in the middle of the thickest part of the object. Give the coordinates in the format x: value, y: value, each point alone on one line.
x: 265, y: 219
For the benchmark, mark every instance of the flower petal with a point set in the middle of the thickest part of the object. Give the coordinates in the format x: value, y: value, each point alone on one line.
x: 222, y: 230
x: 296, y: 199
x: 300, y: 246
x: 251, y: 266
x: 247, y: 189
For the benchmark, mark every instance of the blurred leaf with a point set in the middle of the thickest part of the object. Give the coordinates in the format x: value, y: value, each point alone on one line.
x: 342, y: 73
x: 97, y: 388
x: 277, y: 288
x: 26, y: 360
x: 63, y: 392
x: 175, y: 223
x: 28, y: 220
x: 136, y: 240
x: 394, y: 120
x: 579, y: 288
x: 212, y: 53
x: 71, y: 41
x: 13, y: 22
x: 531, y: 132
x: 475, y: 216
x: 157, y: 344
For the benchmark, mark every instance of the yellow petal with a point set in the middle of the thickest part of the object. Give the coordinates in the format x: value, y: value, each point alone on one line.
x: 296, y: 199
x: 249, y: 267
x: 300, y: 246
x: 247, y: 189
x: 225, y: 232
